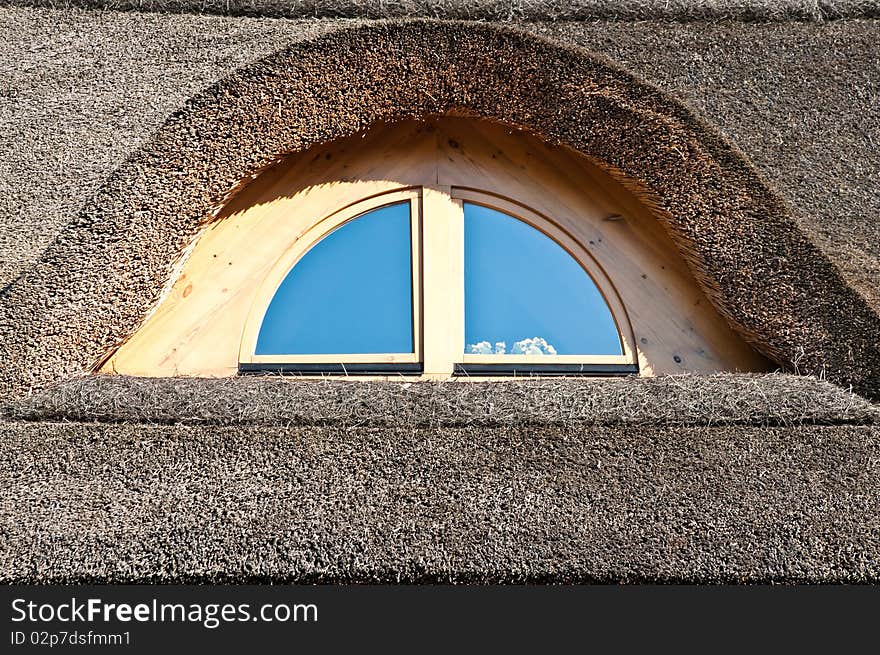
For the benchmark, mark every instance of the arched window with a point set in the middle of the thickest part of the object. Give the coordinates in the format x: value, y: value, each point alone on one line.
x: 351, y: 293
x: 528, y: 301
x: 444, y: 247
x: 505, y: 297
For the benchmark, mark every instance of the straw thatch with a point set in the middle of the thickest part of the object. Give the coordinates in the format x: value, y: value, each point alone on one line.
x: 727, y: 399
x: 730, y: 478
x: 109, y: 264
x: 137, y: 503
x: 499, y: 10
x: 794, y: 96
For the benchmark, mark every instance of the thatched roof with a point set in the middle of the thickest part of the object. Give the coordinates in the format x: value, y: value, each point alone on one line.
x: 722, y: 399
x: 730, y: 478
x: 760, y: 268
x: 499, y: 10
x: 121, y: 503
x: 79, y: 91
x: 124, y: 130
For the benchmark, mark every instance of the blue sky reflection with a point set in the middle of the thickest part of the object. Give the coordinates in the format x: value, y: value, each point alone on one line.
x: 524, y: 294
x: 351, y: 293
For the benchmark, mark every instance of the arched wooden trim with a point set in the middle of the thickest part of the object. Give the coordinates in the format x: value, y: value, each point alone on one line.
x: 198, y: 328
x: 600, y: 277
x: 439, y: 340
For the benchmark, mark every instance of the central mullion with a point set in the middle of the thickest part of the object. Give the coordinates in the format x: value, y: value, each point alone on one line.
x: 443, y: 280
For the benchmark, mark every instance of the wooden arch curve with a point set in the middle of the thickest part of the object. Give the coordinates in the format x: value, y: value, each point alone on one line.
x: 208, y: 323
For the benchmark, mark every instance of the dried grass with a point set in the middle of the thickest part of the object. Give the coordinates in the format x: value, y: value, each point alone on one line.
x: 92, y: 287
x: 497, y: 10
x: 771, y: 399
x: 114, y: 503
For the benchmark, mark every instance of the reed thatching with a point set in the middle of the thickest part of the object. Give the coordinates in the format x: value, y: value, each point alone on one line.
x: 760, y: 269
x: 730, y: 478
x: 74, y: 123
x: 137, y: 503
x: 728, y: 399
x: 498, y: 10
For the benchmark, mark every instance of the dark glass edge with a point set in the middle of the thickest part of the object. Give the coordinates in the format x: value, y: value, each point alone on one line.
x: 332, y: 369
x: 546, y: 369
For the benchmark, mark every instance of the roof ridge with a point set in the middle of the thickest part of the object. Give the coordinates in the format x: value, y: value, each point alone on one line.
x: 773, y: 399
x: 496, y: 10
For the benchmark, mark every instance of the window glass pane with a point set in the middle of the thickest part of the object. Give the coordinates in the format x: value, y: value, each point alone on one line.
x: 524, y: 294
x: 351, y: 293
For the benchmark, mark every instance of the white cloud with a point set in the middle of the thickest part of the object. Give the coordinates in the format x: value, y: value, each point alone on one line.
x: 533, y: 346
x: 482, y: 348
x: 486, y: 348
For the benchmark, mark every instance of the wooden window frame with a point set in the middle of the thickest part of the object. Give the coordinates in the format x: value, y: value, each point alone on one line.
x: 437, y: 247
x: 340, y: 364
x: 196, y: 326
x: 507, y: 364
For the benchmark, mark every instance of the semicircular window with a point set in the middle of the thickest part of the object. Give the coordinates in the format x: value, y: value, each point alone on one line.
x: 351, y: 293
x: 419, y: 287
x: 526, y: 295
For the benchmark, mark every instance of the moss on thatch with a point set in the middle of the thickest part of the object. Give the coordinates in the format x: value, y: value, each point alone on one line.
x: 727, y: 399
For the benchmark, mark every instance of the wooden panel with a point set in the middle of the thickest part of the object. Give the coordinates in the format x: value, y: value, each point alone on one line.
x: 197, y: 329
x: 676, y: 326
x: 439, y: 269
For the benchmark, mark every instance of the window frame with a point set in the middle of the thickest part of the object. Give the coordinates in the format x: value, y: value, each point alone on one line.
x: 343, y: 364
x: 508, y: 364
x: 437, y: 252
